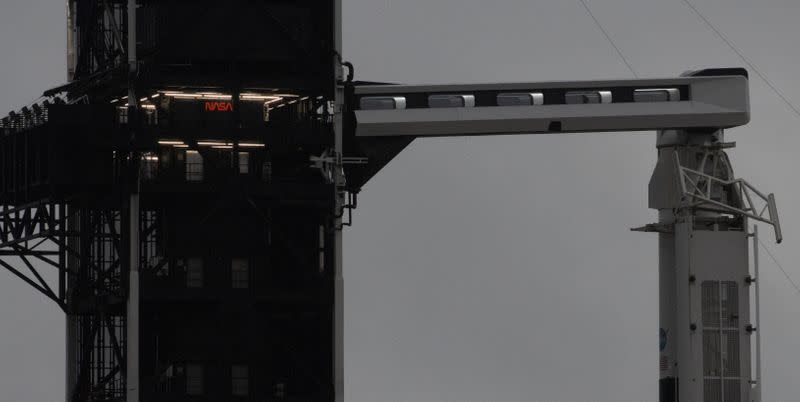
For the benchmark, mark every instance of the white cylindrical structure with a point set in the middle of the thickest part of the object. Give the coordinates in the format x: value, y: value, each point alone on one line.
x: 704, y: 295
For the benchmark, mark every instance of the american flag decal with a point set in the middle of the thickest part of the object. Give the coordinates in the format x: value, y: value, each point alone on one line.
x: 664, y: 363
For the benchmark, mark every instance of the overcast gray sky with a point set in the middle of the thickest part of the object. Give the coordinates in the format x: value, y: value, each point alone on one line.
x: 499, y: 268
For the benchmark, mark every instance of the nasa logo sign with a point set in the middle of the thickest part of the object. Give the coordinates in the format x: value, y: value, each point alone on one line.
x: 219, y: 107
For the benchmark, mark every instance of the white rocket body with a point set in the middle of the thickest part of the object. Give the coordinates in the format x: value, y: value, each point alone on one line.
x: 705, y: 283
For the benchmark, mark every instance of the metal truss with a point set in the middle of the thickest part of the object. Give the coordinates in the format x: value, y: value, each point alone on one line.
x: 99, y: 357
x: 100, y: 334
x: 721, y: 192
x: 30, y: 234
x: 96, y: 297
x: 31, y: 222
x: 29, y: 117
x: 98, y: 32
x: 86, y: 243
x: 84, y: 246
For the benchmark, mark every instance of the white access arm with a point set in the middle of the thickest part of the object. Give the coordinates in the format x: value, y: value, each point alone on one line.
x: 689, y: 102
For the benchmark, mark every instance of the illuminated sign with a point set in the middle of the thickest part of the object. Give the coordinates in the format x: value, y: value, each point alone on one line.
x: 218, y: 106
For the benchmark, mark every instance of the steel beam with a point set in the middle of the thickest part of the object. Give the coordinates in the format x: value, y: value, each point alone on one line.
x: 134, y: 217
x: 688, y: 103
x: 338, y: 278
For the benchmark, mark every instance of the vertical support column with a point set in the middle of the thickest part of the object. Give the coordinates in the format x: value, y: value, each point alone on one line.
x: 73, y: 240
x: 132, y: 316
x: 668, y: 383
x: 132, y: 343
x: 66, y: 225
x: 62, y: 251
x: 132, y: 61
x: 71, y: 60
x: 757, y: 388
x: 704, y: 300
x: 663, y: 197
x: 338, y: 278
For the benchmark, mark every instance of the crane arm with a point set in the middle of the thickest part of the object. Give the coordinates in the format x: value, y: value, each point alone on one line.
x: 697, y: 101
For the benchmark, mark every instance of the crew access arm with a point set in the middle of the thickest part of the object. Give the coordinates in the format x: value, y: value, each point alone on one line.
x: 704, y: 211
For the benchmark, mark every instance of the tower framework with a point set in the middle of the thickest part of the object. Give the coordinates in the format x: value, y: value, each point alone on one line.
x: 189, y: 187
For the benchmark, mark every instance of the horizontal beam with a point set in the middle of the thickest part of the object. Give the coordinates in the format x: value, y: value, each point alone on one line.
x: 693, y: 102
x: 16, y: 253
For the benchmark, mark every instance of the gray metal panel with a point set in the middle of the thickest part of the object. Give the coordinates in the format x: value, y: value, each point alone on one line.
x: 338, y: 280
x: 707, y: 256
x: 546, y: 119
x: 718, y: 102
x: 654, y: 83
x: 688, y: 364
x: 532, y: 86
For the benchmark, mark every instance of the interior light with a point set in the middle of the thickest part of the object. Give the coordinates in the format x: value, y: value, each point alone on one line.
x: 197, y: 95
x: 584, y: 97
x: 251, y: 145
x: 257, y: 97
x: 445, y: 101
x: 170, y: 142
x: 657, y: 95
x: 211, y: 143
x: 520, y: 99
x: 382, y: 102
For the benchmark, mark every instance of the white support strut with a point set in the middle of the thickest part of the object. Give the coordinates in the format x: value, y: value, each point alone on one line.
x: 697, y: 190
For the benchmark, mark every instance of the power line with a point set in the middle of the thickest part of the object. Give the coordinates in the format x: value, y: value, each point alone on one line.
x: 778, y: 264
x: 776, y: 91
x: 608, y: 37
x: 744, y: 59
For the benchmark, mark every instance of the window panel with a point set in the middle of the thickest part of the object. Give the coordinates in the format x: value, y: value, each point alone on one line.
x: 194, y: 166
x: 194, y: 273
x: 721, y: 343
x: 244, y: 162
x: 240, y: 273
x: 194, y: 379
x: 240, y: 380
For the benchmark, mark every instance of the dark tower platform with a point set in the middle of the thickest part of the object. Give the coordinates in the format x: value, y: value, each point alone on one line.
x: 229, y: 152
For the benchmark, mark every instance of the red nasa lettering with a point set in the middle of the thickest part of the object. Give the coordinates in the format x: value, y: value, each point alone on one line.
x: 219, y: 107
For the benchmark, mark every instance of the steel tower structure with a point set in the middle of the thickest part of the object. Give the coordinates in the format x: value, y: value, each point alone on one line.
x: 190, y: 183
x: 169, y: 184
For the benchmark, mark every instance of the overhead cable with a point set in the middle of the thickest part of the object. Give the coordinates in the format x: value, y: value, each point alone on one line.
x: 778, y: 264
x: 608, y: 37
x: 743, y: 58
